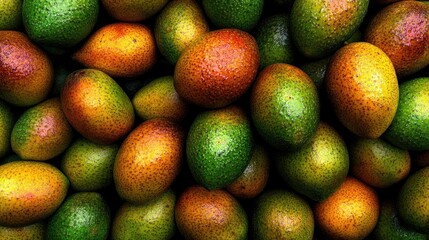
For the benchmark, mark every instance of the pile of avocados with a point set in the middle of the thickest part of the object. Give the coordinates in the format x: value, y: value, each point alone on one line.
x: 214, y: 119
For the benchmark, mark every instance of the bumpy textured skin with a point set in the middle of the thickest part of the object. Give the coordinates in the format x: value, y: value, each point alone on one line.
x: 280, y: 214
x: 133, y: 10
x: 30, y: 191
x: 119, y: 49
x: 33, y: 231
x: 363, y: 89
x: 10, y: 15
x: 59, y: 23
x: 319, y: 168
x: 284, y: 106
x: 96, y: 106
x: 410, y: 126
x: 350, y: 213
x: 26, y: 72
x: 152, y: 220
x: 149, y: 160
x: 319, y: 28
x: 210, y: 214
x: 177, y: 26
x: 42, y: 132
x: 401, y: 30
x: 217, y: 68
x: 412, y: 201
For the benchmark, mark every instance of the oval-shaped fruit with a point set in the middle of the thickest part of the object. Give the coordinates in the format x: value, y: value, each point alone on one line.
x: 159, y: 99
x: 6, y: 126
x: 319, y: 27
x: 119, y: 49
x: 319, y: 168
x: 96, y: 106
x: 210, y: 214
x: 177, y: 26
x: 401, y: 30
x: 351, y: 212
x: 410, y: 126
x: 152, y: 220
x: 279, y: 214
x: 362, y: 86
x: 284, y: 105
x: 133, y: 10
x: 148, y: 160
x: 89, y: 165
x: 412, y: 202
x: 219, y: 146
x: 30, y: 191
x: 255, y: 177
x: 10, y: 14
x: 26, y: 72
x: 42, y: 132
x: 378, y: 163
x: 240, y: 14
x: 59, y: 23
x: 83, y: 215
x: 217, y: 68
x: 33, y: 231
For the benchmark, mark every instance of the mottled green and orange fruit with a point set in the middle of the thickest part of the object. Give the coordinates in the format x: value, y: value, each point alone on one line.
x: 159, y: 99
x: 26, y: 72
x: 412, y: 201
x: 33, y: 231
x: 255, y: 177
x: 152, y: 220
x: 280, y: 214
x: 217, y: 68
x: 317, y: 169
x: 210, y: 214
x: 401, y: 30
x: 319, y: 28
x: 6, y: 126
x: 149, y: 160
x: 89, y: 165
x: 350, y: 213
x: 42, y: 132
x: 133, y: 10
x: 363, y: 89
x: 119, y: 49
x: 378, y: 163
x: 96, y: 106
x: 177, y: 26
x: 219, y: 146
x: 10, y: 14
x: 30, y: 191
x: 284, y: 106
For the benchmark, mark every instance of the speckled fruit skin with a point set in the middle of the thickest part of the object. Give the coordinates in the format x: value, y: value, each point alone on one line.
x: 42, y: 132
x: 82, y: 215
x: 363, y: 89
x: 30, y: 191
x: 319, y: 168
x: 33, y: 231
x: 410, y: 126
x: 318, y: 28
x: 255, y: 177
x: 96, y: 106
x: 133, y: 10
x: 219, y: 146
x: 350, y: 213
x: 210, y: 214
x: 401, y: 30
x: 152, y: 220
x: 10, y: 15
x: 119, y: 49
x: 412, y: 201
x: 179, y: 24
x: 217, y: 68
x: 26, y: 72
x: 7, y: 120
x: 378, y: 163
x: 284, y: 106
x: 279, y: 214
x: 159, y: 99
x: 148, y: 160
